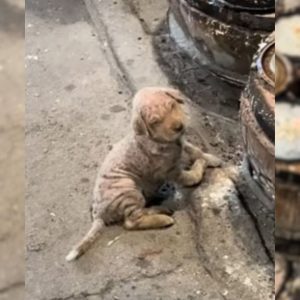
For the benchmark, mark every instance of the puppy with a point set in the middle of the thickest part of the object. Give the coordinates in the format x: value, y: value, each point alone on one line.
x: 140, y: 163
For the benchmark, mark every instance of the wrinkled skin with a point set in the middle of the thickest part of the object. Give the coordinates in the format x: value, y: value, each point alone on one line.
x: 140, y: 163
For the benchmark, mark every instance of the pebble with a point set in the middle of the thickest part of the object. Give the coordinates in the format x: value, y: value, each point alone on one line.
x: 113, y: 241
x: 32, y: 57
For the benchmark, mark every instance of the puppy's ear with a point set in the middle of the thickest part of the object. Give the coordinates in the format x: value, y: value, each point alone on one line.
x: 178, y: 99
x: 139, y: 125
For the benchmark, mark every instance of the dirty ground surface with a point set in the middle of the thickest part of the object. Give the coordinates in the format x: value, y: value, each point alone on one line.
x: 81, y: 76
x: 11, y: 150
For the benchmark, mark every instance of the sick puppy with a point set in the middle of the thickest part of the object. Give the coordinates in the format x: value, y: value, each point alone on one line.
x: 139, y: 164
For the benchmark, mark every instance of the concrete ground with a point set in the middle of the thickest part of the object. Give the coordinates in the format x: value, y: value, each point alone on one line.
x: 11, y: 149
x: 81, y: 76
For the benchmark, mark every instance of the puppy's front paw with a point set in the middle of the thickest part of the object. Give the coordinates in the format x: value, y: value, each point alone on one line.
x: 191, y: 183
x: 212, y: 160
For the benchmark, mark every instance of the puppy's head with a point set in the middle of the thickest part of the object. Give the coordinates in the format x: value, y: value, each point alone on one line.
x: 159, y: 114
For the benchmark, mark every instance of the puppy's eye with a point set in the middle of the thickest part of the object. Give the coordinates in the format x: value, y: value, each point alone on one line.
x: 155, y: 123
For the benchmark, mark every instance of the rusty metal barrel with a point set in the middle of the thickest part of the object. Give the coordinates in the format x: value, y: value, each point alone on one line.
x: 222, y: 34
x: 288, y: 125
x: 257, y: 117
x: 287, y: 210
x: 288, y: 169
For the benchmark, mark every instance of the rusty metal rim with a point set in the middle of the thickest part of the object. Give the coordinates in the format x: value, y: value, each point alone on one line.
x: 229, y: 76
x: 251, y: 7
x: 262, y: 108
x: 258, y: 190
x: 289, y: 70
x: 243, y: 19
x: 262, y: 85
x: 260, y: 65
x: 249, y: 123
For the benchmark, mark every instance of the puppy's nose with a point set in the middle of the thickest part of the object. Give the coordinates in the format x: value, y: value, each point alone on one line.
x: 178, y: 127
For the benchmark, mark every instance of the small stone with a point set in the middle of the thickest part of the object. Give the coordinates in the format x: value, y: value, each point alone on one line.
x: 36, y: 247
x: 113, y: 241
x: 117, y: 108
x: 84, y: 180
x: 32, y: 57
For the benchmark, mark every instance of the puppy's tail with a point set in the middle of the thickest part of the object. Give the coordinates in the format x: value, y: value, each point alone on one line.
x: 87, y: 241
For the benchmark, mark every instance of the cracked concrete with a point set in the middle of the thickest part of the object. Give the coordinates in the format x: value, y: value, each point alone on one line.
x: 81, y: 76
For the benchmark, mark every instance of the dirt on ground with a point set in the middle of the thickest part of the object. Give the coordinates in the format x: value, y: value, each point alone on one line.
x: 84, y: 63
x: 12, y: 149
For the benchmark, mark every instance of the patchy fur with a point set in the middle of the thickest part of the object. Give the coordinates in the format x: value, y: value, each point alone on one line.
x: 140, y: 163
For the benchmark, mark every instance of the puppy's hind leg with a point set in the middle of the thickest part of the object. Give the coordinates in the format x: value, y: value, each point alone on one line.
x: 212, y: 160
x: 160, y: 209
x: 148, y: 218
x: 87, y: 241
x: 196, y: 153
x: 193, y: 176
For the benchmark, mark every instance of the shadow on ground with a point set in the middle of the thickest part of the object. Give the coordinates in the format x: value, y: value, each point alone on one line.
x: 12, y: 18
